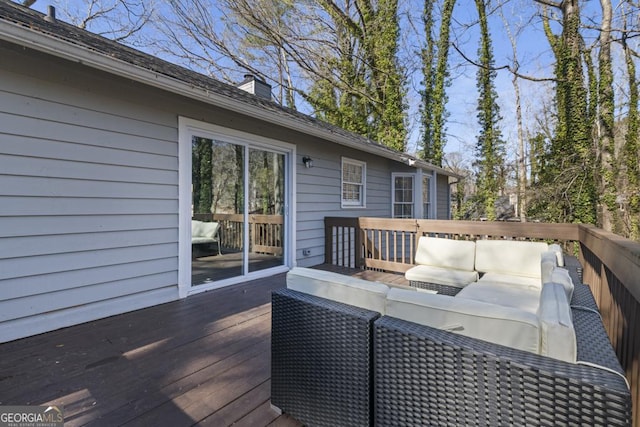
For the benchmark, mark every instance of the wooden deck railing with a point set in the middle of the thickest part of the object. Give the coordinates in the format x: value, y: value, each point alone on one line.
x: 265, y: 232
x: 611, y: 265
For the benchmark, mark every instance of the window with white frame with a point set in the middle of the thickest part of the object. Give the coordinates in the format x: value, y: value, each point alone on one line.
x: 354, y: 173
x: 403, y: 195
x: 426, y: 196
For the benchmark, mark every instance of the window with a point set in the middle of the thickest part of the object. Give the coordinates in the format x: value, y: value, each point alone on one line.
x: 403, y: 195
x: 354, y: 180
x: 426, y: 196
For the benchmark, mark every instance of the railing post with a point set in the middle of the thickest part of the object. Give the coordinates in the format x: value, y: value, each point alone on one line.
x: 359, y: 249
x: 328, y: 241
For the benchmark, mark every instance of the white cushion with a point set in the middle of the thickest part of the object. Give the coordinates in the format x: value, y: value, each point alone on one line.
x: 204, y: 229
x: 196, y: 228
x: 511, y: 279
x: 494, y: 323
x: 196, y: 240
x: 558, y: 251
x: 525, y: 298
x: 338, y: 287
x: 509, y: 257
x: 548, y: 262
x: 443, y: 276
x: 446, y: 253
x: 557, y: 335
x: 561, y: 276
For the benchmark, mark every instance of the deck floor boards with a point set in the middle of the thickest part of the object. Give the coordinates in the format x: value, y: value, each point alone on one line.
x: 203, y: 360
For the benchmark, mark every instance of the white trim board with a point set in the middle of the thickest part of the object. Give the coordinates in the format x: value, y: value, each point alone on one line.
x: 186, y: 129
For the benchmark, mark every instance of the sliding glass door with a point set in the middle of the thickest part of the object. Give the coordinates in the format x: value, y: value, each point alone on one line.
x: 266, y: 200
x: 238, y: 206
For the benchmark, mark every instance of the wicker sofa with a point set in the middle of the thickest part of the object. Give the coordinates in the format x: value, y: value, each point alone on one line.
x: 448, y: 265
x: 340, y: 359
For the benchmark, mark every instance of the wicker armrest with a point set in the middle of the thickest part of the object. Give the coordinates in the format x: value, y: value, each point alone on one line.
x: 583, y: 298
x: 426, y: 376
x: 572, y: 264
x: 321, y: 359
x: 439, y: 288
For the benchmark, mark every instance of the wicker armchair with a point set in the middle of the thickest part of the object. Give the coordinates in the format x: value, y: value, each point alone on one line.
x: 335, y: 364
x: 426, y: 376
x: 321, y: 360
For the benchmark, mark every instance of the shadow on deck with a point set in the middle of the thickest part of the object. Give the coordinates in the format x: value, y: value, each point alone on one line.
x: 203, y: 360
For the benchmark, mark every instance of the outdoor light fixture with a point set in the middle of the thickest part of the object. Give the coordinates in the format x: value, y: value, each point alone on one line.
x: 308, y: 163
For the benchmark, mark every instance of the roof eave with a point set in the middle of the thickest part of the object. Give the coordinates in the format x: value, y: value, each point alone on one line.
x: 26, y: 37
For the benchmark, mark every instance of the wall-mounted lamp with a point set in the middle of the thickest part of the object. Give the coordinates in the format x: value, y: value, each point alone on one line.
x: 408, y: 160
x: 308, y: 163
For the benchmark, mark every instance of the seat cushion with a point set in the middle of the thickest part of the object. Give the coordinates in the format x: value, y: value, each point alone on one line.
x: 511, y: 257
x: 440, y: 275
x: 511, y: 279
x: 477, y: 319
x: 557, y: 335
x: 525, y: 298
x: 446, y: 253
x: 338, y: 287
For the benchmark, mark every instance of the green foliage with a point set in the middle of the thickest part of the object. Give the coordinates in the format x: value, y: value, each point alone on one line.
x: 436, y: 80
x: 632, y: 150
x: 490, y: 146
x: 567, y: 180
x: 202, y: 171
x: 364, y: 89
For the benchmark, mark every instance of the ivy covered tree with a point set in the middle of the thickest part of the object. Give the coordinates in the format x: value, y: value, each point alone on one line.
x: 201, y: 171
x: 568, y: 175
x: 362, y: 87
x: 490, y: 146
x: 631, y: 150
x: 435, y: 60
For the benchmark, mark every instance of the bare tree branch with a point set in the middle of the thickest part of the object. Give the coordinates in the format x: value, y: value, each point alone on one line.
x: 511, y: 69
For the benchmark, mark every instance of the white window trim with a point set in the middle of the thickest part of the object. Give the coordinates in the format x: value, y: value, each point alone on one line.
x: 429, y: 213
x: 349, y: 204
x: 394, y: 175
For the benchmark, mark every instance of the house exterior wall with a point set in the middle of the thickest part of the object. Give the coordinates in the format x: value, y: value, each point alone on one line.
x: 89, y: 191
x: 88, y: 199
x: 443, y: 206
x: 319, y: 194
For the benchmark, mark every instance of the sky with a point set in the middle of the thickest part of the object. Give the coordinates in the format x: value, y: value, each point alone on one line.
x: 521, y: 16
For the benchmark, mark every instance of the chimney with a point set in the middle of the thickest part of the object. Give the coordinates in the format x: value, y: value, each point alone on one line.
x: 255, y: 86
x: 51, y: 14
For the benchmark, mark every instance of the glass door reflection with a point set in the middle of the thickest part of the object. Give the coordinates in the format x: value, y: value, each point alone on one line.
x: 238, y: 205
x: 266, y: 205
x: 218, y: 222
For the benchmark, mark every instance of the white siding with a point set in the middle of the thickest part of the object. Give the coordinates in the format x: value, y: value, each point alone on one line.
x: 88, y: 200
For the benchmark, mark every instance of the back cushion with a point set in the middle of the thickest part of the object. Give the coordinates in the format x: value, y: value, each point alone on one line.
x: 561, y: 276
x: 338, y: 287
x: 196, y: 228
x: 548, y: 262
x: 446, y: 253
x: 209, y: 229
x: 510, y: 257
x: 489, y: 322
x: 557, y: 335
x: 559, y: 254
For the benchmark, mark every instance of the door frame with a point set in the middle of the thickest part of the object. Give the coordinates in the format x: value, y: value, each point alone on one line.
x: 187, y: 128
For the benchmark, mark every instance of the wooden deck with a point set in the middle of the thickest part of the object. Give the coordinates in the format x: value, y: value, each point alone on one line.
x: 204, y: 360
